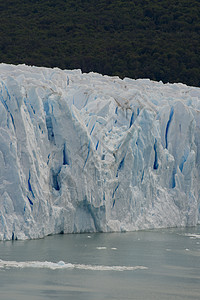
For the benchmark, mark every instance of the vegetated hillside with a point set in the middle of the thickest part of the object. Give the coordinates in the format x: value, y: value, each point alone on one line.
x: 133, y: 38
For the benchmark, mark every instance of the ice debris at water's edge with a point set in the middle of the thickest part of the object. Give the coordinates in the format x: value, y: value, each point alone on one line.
x: 61, y: 265
x: 86, y: 152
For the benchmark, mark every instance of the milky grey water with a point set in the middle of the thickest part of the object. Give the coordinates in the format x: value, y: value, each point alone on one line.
x: 146, y: 265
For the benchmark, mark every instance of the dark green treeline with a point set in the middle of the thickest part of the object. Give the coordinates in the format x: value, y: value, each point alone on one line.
x: 156, y: 39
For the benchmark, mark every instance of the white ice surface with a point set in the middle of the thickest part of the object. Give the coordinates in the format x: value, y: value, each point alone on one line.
x: 86, y: 152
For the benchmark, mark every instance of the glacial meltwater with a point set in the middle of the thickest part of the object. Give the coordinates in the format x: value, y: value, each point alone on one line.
x: 146, y: 265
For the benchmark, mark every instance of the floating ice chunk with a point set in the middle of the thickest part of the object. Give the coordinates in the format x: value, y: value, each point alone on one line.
x: 101, y: 248
x: 193, y: 235
x: 61, y: 263
x: 65, y: 266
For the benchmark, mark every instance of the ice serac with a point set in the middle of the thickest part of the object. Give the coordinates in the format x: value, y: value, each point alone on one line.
x: 86, y: 152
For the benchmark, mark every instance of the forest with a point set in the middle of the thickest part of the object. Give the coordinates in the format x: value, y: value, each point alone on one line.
x: 156, y: 39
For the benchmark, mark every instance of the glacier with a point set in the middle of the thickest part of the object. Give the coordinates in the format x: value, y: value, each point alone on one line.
x: 92, y: 153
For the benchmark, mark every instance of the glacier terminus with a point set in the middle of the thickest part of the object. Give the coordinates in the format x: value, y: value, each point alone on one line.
x: 92, y: 153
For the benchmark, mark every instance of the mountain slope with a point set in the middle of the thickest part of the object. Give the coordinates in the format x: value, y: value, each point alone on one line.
x: 138, y: 39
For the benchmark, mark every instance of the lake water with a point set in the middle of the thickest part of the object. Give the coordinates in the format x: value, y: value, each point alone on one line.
x: 146, y: 265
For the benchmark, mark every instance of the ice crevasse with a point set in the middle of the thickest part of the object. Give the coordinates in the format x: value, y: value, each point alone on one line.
x: 86, y: 153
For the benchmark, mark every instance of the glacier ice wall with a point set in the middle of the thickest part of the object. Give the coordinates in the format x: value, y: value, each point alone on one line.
x: 86, y: 152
